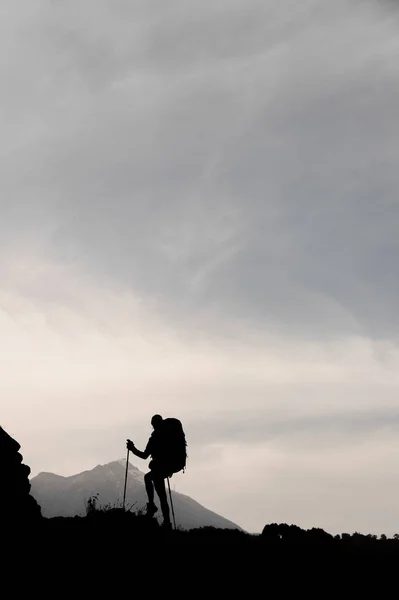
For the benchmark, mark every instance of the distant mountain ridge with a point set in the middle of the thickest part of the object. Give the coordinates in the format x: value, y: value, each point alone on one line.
x: 66, y: 496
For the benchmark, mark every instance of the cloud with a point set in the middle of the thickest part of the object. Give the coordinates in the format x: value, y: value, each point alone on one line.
x: 248, y: 174
x: 199, y: 216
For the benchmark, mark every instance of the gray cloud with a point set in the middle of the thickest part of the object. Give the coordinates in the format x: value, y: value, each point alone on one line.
x: 236, y: 161
x: 311, y: 431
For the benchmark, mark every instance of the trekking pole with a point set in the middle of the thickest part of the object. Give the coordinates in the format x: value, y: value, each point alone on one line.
x: 126, y: 474
x: 171, y: 504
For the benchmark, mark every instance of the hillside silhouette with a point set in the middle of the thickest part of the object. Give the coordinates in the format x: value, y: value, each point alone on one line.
x: 107, y: 528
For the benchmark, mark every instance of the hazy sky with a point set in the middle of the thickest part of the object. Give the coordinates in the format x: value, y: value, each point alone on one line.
x: 200, y: 217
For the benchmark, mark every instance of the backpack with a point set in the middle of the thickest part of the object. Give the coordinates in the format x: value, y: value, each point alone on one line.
x: 174, y: 444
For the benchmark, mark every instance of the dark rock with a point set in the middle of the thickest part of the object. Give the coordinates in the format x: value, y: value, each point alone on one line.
x: 17, y: 506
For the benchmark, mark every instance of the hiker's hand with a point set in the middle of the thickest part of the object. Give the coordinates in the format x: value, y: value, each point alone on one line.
x: 130, y: 445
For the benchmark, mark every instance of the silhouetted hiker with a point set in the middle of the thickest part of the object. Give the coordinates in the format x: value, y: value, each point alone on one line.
x: 167, y: 448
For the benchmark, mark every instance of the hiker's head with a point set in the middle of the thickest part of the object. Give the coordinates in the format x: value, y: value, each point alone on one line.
x: 156, y: 421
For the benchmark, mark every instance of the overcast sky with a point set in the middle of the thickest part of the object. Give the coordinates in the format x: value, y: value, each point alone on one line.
x: 200, y: 217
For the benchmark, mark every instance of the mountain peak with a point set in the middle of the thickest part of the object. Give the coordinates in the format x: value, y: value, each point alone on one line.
x: 67, y: 496
x: 118, y: 468
x: 122, y: 462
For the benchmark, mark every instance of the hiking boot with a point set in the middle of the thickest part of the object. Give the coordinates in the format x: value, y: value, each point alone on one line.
x: 151, y: 509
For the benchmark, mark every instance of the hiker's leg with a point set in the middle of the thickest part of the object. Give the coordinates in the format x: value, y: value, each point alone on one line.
x: 159, y: 483
x: 149, y: 486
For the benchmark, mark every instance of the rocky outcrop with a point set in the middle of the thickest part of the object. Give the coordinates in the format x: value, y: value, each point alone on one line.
x: 16, y: 504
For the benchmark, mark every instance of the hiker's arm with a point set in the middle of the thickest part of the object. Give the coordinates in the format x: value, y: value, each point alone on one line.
x: 139, y: 453
x: 144, y: 455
